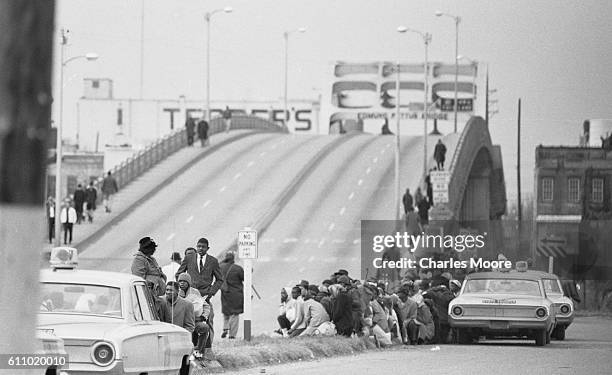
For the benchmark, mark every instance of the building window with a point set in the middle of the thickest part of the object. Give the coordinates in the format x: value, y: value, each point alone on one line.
x: 598, y: 190
x: 547, y: 189
x: 573, y: 190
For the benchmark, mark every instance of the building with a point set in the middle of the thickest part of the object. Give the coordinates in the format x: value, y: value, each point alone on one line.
x: 573, y: 211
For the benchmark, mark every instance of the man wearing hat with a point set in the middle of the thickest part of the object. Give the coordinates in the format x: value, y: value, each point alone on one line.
x: 201, y: 311
x: 203, y: 269
x: 145, y: 266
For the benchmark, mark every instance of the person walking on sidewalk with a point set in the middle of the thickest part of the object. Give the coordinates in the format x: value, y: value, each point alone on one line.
x: 440, y: 154
x: 68, y: 216
x: 407, y: 201
x: 203, y: 132
x: 51, y: 217
x: 232, y: 295
x: 227, y: 119
x: 109, y: 188
x: 79, y: 200
x: 91, y: 195
x: 190, y: 125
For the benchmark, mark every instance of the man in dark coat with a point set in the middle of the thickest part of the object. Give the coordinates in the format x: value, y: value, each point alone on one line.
x: 190, y: 125
x: 203, y: 268
x: 91, y: 195
x: 232, y: 295
x: 440, y: 154
x: 79, y: 199
x: 407, y: 201
x: 342, y: 314
x: 203, y: 132
x: 109, y: 188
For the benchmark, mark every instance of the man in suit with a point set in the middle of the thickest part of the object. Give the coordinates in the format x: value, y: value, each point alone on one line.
x: 203, y: 268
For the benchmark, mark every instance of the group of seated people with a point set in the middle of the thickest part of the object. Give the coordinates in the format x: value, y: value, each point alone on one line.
x: 416, y: 312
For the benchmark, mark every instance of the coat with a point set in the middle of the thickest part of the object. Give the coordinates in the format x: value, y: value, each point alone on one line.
x: 202, y: 129
x: 232, y: 291
x: 91, y: 194
x: 179, y: 313
x: 440, y: 152
x: 147, y: 268
x: 79, y: 199
x: 202, y: 280
x: 341, y: 313
x: 109, y: 185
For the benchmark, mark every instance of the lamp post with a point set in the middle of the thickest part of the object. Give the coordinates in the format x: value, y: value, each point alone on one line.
x: 58, y: 144
x: 207, y: 17
x: 397, y: 142
x: 457, y: 21
x: 426, y: 40
x: 286, y: 37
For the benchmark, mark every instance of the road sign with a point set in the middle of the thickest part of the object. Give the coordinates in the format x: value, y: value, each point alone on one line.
x: 439, y: 180
x: 440, y: 212
x: 247, y: 244
x: 440, y: 197
x: 552, y: 245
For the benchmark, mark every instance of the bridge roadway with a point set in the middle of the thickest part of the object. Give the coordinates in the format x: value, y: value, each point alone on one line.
x: 307, y: 236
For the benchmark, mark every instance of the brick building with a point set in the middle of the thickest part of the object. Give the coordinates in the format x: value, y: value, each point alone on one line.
x: 573, y: 211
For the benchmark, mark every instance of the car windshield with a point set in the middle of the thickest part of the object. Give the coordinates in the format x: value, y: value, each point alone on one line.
x: 503, y: 286
x: 80, y: 298
x: 551, y: 286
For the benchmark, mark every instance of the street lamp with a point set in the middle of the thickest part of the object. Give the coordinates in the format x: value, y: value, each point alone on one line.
x: 58, y: 145
x: 286, y: 36
x: 457, y: 21
x: 207, y: 17
x: 426, y: 39
x: 475, y: 65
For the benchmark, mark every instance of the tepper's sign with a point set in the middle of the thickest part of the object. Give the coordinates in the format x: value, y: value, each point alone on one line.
x: 247, y: 244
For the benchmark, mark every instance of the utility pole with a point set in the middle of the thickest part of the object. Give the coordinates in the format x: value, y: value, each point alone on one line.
x: 26, y: 49
x: 519, y: 208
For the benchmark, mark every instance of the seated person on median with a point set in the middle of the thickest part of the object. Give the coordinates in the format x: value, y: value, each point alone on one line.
x: 202, y: 335
x: 175, y: 309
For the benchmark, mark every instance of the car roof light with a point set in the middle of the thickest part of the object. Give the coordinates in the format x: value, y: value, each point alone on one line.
x: 64, y: 257
x: 521, y: 266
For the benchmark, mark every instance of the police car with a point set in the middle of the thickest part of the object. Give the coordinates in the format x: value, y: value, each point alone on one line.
x: 503, y: 304
x: 564, y: 306
x: 108, y: 321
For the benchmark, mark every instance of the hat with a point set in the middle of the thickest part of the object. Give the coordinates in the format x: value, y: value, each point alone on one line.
x: 147, y: 243
x: 344, y: 280
x: 341, y: 272
x: 314, y: 289
x: 456, y: 283
x: 304, y: 283
x: 327, y: 282
x: 185, y: 277
x: 447, y: 275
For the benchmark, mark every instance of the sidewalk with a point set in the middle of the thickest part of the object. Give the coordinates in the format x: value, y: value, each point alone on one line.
x: 145, y: 186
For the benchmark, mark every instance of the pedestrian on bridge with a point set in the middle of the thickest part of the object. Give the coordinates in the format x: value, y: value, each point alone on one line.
x: 109, y: 188
x: 227, y: 119
x: 203, y: 132
x: 79, y: 200
x: 190, y: 125
x: 407, y: 201
x: 440, y: 154
x: 68, y: 216
x: 51, y: 217
x: 232, y: 295
x: 91, y: 195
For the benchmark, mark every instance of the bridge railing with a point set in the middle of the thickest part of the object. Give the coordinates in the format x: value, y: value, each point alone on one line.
x: 155, y: 152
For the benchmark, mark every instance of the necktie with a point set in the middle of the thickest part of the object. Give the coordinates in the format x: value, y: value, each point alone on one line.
x: 201, y: 265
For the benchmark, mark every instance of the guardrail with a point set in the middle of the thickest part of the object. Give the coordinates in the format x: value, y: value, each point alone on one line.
x: 134, y: 166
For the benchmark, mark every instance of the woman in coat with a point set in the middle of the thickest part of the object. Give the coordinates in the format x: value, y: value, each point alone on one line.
x: 145, y: 266
x: 232, y: 295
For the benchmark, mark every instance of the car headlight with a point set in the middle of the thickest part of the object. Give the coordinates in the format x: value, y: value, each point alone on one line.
x: 565, y: 309
x: 102, y: 354
x: 541, y: 312
x: 457, y: 310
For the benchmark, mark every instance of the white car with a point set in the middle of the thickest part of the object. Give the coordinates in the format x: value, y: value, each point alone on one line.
x: 108, y: 321
x: 564, y: 306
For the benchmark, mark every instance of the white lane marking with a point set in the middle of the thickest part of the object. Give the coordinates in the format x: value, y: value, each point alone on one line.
x: 267, y: 240
x: 189, y: 219
x: 359, y: 182
x: 331, y: 227
x: 262, y: 153
x: 351, y: 196
x: 307, y: 241
x: 375, y: 160
x: 338, y: 241
x: 357, y: 241
x: 170, y: 237
x: 206, y: 203
x: 329, y: 260
x: 302, y: 269
x: 290, y: 240
x: 368, y: 170
x: 222, y: 189
x: 311, y: 259
x: 237, y: 175
x: 250, y: 164
x: 383, y: 151
x: 321, y: 243
x: 342, y: 210
x: 264, y: 259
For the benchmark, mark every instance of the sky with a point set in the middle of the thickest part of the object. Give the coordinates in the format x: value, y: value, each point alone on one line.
x: 553, y: 54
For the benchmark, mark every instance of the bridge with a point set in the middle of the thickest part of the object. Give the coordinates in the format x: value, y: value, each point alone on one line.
x: 305, y: 194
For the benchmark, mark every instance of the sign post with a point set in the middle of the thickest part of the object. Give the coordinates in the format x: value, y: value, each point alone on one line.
x: 247, y: 250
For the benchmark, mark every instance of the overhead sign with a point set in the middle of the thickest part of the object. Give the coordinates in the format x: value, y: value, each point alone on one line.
x: 247, y: 244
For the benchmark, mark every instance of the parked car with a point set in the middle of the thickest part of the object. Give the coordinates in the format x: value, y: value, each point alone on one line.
x: 564, y: 306
x: 108, y: 321
x: 503, y: 304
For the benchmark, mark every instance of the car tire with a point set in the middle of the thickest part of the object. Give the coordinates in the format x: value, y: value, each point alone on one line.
x: 463, y: 336
x: 184, y: 366
x: 540, y: 337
